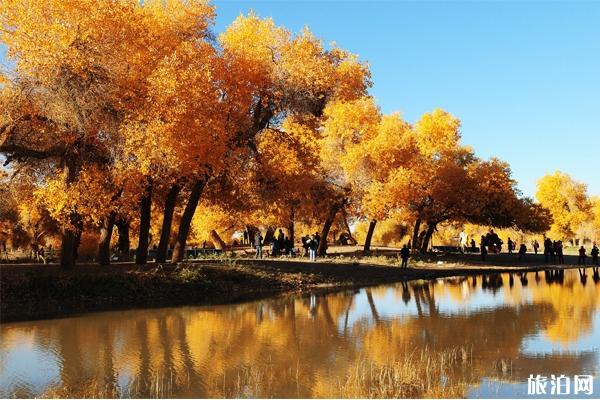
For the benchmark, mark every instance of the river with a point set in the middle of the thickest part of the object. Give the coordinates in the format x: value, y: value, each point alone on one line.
x: 487, y: 333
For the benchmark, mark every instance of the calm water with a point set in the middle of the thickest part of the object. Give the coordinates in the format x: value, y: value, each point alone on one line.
x: 307, y: 346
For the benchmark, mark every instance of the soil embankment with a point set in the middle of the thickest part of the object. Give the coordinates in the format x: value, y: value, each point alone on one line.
x: 41, y: 291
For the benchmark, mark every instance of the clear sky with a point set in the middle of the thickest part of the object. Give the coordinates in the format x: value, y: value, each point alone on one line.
x: 524, y: 77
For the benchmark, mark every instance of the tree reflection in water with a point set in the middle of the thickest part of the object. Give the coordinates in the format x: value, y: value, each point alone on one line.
x: 311, y: 346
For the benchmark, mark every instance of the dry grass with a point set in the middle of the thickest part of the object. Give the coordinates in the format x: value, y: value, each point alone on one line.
x: 252, y: 383
x: 424, y: 373
x: 157, y: 386
x: 418, y: 374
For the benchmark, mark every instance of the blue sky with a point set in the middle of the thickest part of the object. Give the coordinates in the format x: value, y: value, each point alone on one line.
x: 524, y: 77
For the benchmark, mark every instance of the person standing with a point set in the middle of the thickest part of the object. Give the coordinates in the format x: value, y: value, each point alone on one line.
x: 289, y: 247
x: 510, y: 246
x: 305, y: 240
x: 274, y: 248
x: 582, y: 256
x: 553, y: 250
x: 493, y: 240
x: 245, y: 237
x: 559, y: 252
x: 462, y: 238
x: 483, y: 248
x: 547, y: 249
x: 42, y: 255
x: 404, y: 254
x: 258, y: 245
x: 535, y: 246
x: 594, y: 254
x: 313, y: 245
x: 522, y: 252
x: 281, y: 239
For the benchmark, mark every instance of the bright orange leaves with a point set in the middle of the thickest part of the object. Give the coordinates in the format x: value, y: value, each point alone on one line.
x: 120, y: 97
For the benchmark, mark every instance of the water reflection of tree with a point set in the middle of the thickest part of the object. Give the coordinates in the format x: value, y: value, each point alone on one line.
x: 574, y: 303
x: 108, y: 374
x: 301, y: 347
x: 69, y: 351
x: 496, y: 335
x: 374, y: 312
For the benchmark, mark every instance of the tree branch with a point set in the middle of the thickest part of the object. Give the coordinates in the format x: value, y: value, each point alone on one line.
x: 18, y: 152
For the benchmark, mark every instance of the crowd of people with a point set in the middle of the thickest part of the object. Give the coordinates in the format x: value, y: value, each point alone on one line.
x: 583, y: 255
x: 553, y: 249
x: 283, y: 245
x: 553, y: 252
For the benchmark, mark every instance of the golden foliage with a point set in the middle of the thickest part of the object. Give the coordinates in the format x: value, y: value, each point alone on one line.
x: 111, y: 99
x: 567, y: 201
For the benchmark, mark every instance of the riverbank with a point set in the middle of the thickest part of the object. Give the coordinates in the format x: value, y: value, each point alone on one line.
x: 30, y: 292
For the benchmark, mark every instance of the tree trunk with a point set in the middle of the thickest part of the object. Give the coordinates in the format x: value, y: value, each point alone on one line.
x: 78, y: 233
x: 350, y: 237
x: 290, y: 227
x: 322, y: 250
x: 186, y: 221
x: 105, y: 236
x: 216, y: 240
x: 67, y: 249
x: 70, y: 236
x: 415, y: 238
x: 123, y: 229
x: 367, y: 247
x: 141, y: 254
x: 165, y: 233
x: 427, y: 238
